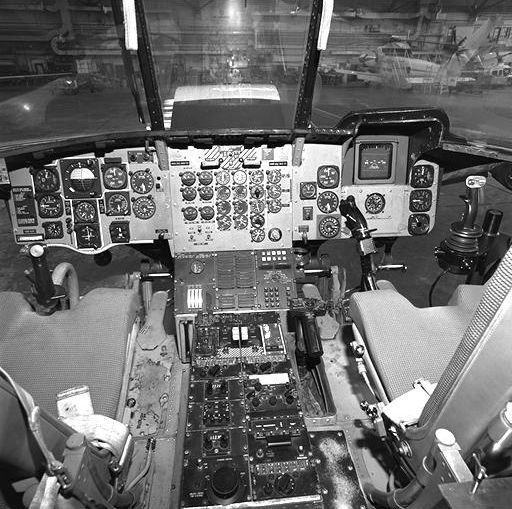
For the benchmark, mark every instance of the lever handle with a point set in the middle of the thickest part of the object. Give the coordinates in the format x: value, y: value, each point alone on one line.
x: 473, y: 184
x: 354, y: 218
x: 43, y: 283
x: 311, y: 338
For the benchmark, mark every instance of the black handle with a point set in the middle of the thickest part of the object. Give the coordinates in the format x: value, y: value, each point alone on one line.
x: 43, y: 283
x: 354, y: 218
x: 311, y: 338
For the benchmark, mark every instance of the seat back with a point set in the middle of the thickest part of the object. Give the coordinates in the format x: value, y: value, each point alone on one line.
x: 477, y: 382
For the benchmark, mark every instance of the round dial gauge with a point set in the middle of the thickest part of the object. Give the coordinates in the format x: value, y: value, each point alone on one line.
x: 422, y: 176
x: 257, y: 235
x: 196, y: 267
x: 50, y: 205
x: 239, y: 192
x: 188, y: 178
x: 223, y: 223
x: 257, y: 206
x: 240, y: 177
x: 307, y: 190
x: 87, y: 236
x: 274, y: 206
x: 189, y: 193
x: 206, y: 193
x: 53, y: 230
x: 257, y: 177
x: 328, y: 202
x: 142, y: 182
x: 374, y: 203
x: 205, y: 178
x: 46, y: 180
x: 241, y: 222
x: 257, y: 192
x: 81, y: 176
x: 115, y: 177
x: 223, y: 192
x: 207, y: 212
x: 240, y: 207
x: 144, y: 207
x: 419, y: 224
x: 85, y: 212
x: 274, y: 176
x: 328, y: 177
x: 189, y: 213
x: 274, y: 191
x: 275, y: 234
x: 118, y: 205
x: 420, y: 200
x: 257, y: 220
x: 223, y: 208
x: 222, y: 177
x: 329, y: 227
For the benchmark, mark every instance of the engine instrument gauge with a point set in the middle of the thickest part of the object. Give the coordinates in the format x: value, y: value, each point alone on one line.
x: 222, y: 177
x: 53, y: 230
x: 188, y: 193
x: 328, y: 177
x: 328, y: 202
x: 205, y: 178
x: 115, y: 177
x: 207, y: 213
x: 257, y: 206
x: 223, y: 193
x: 422, y: 176
x: 240, y: 177
x: 119, y: 232
x: 188, y: 178
x: 85, y: 212
x: 50, y: 205
x: 274, y: 206
x: 257, y: 192
x: 46, y: 180
x: 274, y: 191
x: 329, y: 227
x: 274, y: 176
x: 144, y: 207
x: 420, y: 200
x: 241, y: 222
x: 80, y: 178
x: 142, y: 181
x: 240, y: 207
x: 257, y: 177
x: 223, y: 208
x: 257, y: 235
x: 196, y: 266
x: 374, y: 203
x: 87, y: 236
x: 239, y: 192
x: 223, y: 223
x: 117, y: 204
x: 189, y: 213
x: 307, y: 190
x: 418, y: 224
x: 206, y: 193
x: 257, y: 220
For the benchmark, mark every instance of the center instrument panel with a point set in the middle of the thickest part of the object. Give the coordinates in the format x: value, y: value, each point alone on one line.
x: 223, y: 198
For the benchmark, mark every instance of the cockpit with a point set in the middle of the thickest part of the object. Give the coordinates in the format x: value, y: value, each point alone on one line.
x: 247, y: 265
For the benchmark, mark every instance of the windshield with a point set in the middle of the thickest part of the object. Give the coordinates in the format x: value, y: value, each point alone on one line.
x: 450, y: 54
x: 231, y: 64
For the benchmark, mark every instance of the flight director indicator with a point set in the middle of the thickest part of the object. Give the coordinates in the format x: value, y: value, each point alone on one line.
x: 80, y: 178
x: 375, y: 161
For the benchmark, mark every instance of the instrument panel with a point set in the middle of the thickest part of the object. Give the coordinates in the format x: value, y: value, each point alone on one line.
x: 223, y: 198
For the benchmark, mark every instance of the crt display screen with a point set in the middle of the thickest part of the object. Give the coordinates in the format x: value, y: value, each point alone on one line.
x: 375, y: 160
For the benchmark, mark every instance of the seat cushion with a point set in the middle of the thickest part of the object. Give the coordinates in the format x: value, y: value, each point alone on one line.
x: 85, y: 346
x: 405, y: 342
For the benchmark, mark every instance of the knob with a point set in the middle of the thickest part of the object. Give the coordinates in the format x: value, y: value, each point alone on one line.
x: 265, y: 366
x: 209, y: 389
x: 223, y: 441
x: 207, y: 443
x: 213, y: 370
x: 272, y: 400
x: 255, y: 402
x: 285, y: 484
x: 258, y: 386
x: 268, y: 488
x: 225, y: 484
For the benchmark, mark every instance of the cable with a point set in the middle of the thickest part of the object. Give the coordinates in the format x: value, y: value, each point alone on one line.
x: 432, y: 288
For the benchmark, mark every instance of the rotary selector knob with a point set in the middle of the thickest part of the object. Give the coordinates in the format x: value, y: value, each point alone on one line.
x: 225, y: 486
x: 275, y: 234
x: 207, y: 213
x: 285, y: 484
